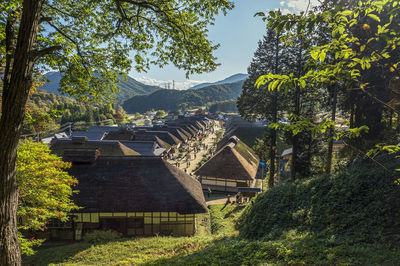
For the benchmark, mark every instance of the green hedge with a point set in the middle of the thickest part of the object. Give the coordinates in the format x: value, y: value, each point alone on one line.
x: 361, y: 203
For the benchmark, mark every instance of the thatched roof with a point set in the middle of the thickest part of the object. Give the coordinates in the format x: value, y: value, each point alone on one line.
x: 173, y: 130
x: 186, y: 123
x: 103, y: 128
x: 200, y: 125
x: 189, y: 130
x: 163, y: 135
x: 122, y: 134
x: 90, y: 135
x: 136, y: 184
x: 233, y: 161
x: 247, y: 135
x: 183, y: 131
x: 145, y: 148
x: 154, y: 138
x: 77, y: 147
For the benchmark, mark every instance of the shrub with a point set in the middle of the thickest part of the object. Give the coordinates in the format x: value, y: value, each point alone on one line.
x: 360, y: 204
x: 99, y: 236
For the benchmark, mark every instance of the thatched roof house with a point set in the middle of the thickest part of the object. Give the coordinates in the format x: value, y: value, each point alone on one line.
x: 248, y: 135
x: 189, y: 130
x: 136, y: 184
x: 147, y: 137
x: 134, y: 196
x: 145, y: 148
x: 176, y: 132
x: 89, y: 135
x: 234, y: 165
x: 121, y: 134
x: 163, y: 135
x: 80, y: 149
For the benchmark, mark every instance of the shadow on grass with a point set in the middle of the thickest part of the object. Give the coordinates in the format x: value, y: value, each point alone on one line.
x: 237, y: 209
x: 54, y: 253
x: 302, y: 250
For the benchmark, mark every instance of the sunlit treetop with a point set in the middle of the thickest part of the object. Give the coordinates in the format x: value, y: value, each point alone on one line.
x: 367, y: 34
x: 93, y: 41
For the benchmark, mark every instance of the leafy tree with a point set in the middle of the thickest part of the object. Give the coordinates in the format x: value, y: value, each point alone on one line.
x: 119, y: 118
x: 270, y: 56
x: 44, y: 190
x: 228, y: 106
x: 160, y: 114
x: 89, y: 42
x: 361, y: 56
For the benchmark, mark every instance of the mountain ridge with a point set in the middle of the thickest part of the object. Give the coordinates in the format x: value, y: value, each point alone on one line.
x: 231, y: 79
x: 173, y: 100
x: 128, y: 88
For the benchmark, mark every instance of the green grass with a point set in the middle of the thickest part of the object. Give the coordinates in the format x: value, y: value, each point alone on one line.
x: 224, y: 247
x: 223, y: 219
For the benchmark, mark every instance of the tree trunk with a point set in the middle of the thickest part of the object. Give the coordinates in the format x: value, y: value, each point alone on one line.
x: 331, y: 132
x: 352, y: 116
x: 295, y: 143
x: 272, y: 151
x: 17, y: 83
x: 272, y: 155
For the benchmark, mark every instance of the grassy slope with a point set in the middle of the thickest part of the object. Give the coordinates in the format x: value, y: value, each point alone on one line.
x: 226, y: 247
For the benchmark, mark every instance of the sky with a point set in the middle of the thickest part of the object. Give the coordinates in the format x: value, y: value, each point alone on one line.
x: 237, y: 33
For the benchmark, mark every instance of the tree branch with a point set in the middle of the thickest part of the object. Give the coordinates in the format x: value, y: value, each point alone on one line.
x: 377, y: 100
x: 45, y: 19
x: 78, y: 50
x: 37, y: 54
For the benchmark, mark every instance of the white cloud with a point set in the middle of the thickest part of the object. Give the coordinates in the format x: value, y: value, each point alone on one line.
x: 296, y: 6
x: 181, y: 85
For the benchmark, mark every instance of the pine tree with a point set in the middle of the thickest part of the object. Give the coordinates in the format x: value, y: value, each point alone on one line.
x: 253, y: 103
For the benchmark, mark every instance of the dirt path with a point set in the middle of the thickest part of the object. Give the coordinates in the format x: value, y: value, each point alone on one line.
x: 192, y: 158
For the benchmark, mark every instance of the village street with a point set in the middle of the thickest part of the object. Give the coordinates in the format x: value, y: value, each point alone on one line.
x: 190, y: 161
x: 197, y: 152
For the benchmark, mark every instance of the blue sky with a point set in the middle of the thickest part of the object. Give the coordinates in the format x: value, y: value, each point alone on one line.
x: 238, y: 33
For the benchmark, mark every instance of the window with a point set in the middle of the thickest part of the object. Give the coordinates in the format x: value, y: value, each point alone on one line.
x: 135, y: 223
x: 56, y: 223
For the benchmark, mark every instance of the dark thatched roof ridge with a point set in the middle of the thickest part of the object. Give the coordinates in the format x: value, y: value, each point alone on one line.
x: 148, y: 137
x: 136, y: 184
x: 105, y: 147
x: 173, y: 130
x: 163, y: 135
x: 122, y: 134
x: 189, y: 129
x: 96, y: 135
x: 233, y: 161
x: 182, y: 131
x: 145, y: 148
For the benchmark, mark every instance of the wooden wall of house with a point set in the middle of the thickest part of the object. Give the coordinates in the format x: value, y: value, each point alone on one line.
x: 127, y: 223
x: 222, y: 184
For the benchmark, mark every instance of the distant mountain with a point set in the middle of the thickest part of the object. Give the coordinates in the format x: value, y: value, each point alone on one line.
x: 172, y: 100
x: 231, y: 79
x: 170, y: 84
x: 128, y: 88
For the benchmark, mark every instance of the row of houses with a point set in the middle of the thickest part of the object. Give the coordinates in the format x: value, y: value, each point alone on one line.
x: 125, y: 183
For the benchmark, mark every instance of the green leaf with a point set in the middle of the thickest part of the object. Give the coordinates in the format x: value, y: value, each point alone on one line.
x: 346, y: 12
x: 314, y: 54
x: 374, y: 17
x: 322, y: 56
